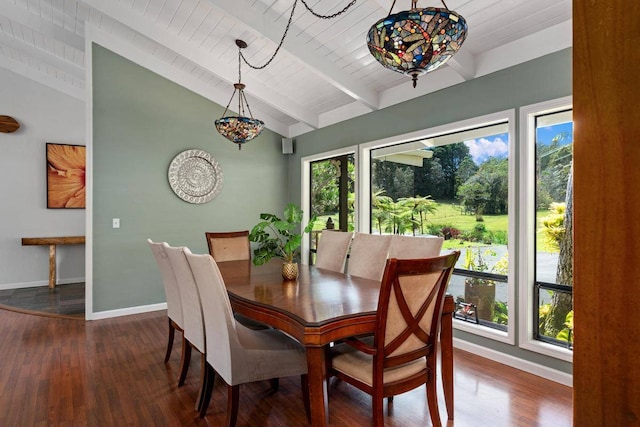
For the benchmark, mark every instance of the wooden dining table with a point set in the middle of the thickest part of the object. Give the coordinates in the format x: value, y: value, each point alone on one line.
x: 319, y: 308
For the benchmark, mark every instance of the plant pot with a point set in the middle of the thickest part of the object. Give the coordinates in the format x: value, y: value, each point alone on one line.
x: 482, y: 293
x: 289, y: 270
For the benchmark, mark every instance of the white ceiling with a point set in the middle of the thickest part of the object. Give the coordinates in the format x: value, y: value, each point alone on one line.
x: 322, y: 75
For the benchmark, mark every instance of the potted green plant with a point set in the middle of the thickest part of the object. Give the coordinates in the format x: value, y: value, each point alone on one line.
x: 480, y: 291
x: 279, y: 238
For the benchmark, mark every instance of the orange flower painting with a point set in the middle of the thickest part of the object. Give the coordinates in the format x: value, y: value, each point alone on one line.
x: 66, y: 166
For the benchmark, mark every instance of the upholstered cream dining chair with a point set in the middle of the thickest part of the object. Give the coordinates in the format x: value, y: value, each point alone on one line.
x: 332, y: 250
x: 401, y: 355
x: 229, y: 246
x: 368, y: 255
x: 171, y: 291
x: 411, y: 247
x: 238, y: 354
x: 193, y: 321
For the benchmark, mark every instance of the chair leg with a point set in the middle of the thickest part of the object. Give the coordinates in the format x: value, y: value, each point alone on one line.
x: 304, y: 385
x: 184, y: 361
x: 172, y: 332
x: 210, y: 376
x: 432, y: 400
x: 275, y: 383
x: 233, y: 397
x: 378, y: 410
x: 203, y: 377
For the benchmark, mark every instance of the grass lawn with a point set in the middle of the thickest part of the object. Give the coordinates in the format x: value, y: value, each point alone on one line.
x: 453, y: 214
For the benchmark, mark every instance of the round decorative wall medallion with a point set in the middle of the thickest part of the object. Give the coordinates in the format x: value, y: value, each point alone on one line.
x: 195, y: 176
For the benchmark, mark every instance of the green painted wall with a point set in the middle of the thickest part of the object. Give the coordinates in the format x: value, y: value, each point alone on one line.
x: 140, y: 122
x: 535, y: 81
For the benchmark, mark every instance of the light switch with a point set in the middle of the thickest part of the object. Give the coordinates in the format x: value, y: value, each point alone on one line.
x: 116, y: 222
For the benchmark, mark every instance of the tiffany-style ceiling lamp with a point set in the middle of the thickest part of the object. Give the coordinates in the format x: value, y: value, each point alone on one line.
x: 417, y: 41
x: 239, y: 129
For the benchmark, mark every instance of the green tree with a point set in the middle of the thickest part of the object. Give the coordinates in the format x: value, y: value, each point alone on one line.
x: 474, y: 195
x: 430, y: 179
x: 325, y: 190
x: 495, y: 174
x: 553, y: 167
x: 420, y: 207
x: 554, y: 176
x: 382, y: 206
x: 467, y: 169
x: 451, y: 157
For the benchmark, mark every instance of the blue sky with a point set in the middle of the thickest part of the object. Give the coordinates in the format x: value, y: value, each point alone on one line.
x: 546, y: 134
x: 498, y: 145
x: 491, y: 146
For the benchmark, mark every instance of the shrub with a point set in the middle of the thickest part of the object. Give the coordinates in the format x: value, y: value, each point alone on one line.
x: 434, y: 229
x: 499, y: 237
x: 449, y: 232
x: 477, y: 234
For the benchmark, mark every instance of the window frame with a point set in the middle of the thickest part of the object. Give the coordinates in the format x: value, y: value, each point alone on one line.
x: 305, y: 196
x: 527, y: 227
x: 363, y: 172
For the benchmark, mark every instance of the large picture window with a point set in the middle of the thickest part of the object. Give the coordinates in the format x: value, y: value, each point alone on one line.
x: 454, y: 182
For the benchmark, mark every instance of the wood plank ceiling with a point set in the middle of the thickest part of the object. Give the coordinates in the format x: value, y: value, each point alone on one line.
x: 322, y: 75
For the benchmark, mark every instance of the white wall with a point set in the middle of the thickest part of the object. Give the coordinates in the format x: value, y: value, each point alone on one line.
x: 45, y: 115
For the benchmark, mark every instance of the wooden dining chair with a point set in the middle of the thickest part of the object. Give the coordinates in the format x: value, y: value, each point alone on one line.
x: 368, y: 255
x: 232, y: 246
x: 238, y: 354
x: 193, y: 322
x: 332, y: 250
x: 401, y: 355
x: 229, y: 246
x: 171, y: 292
x: 411, y: 247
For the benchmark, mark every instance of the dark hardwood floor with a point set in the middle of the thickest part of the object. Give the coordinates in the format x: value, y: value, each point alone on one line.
x: 63, y: 300
x: 56, y: 371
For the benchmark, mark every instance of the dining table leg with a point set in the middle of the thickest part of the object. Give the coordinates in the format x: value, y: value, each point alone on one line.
x: 318, y: 399
x: 446, y: 351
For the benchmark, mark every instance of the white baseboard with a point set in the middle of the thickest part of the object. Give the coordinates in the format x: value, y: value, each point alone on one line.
x: 515, y: 362
x: 39, y: 283
x: 127, y: 311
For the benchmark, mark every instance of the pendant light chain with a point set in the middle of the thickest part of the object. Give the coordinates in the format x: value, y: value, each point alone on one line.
x: 239, y: 64
x: 286, y: 30
x: 317, y: 15
x: 414, y: 5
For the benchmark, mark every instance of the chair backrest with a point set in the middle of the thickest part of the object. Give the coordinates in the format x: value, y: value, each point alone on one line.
x: 368, y: 255
x: 171, y: 291
x: 412, y: 247
x: 224, y: 352
x: 409, y: 308
x: 229, y: 246
x: 190, y: 297
x: 333, y: 247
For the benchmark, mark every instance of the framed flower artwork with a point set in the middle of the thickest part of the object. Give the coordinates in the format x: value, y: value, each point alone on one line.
x: 66, y: 165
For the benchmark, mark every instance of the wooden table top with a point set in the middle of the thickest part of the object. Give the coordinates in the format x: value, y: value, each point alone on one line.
x: 63, y: 240
x: 316, y: 298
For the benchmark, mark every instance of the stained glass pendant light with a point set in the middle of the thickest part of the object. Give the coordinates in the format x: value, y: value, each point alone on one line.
x: 416, y: 41
x: 239, y: 129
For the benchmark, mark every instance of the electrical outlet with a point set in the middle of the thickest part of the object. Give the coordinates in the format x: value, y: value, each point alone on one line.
x: 116, y: 222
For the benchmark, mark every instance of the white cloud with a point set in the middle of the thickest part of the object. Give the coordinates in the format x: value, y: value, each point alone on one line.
x: 481, y: 149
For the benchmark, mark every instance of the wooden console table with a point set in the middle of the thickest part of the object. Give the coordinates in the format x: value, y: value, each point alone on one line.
x: 52, y: 242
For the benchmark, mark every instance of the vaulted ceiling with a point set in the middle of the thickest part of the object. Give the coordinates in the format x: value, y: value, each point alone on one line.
x: 322, y: 75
